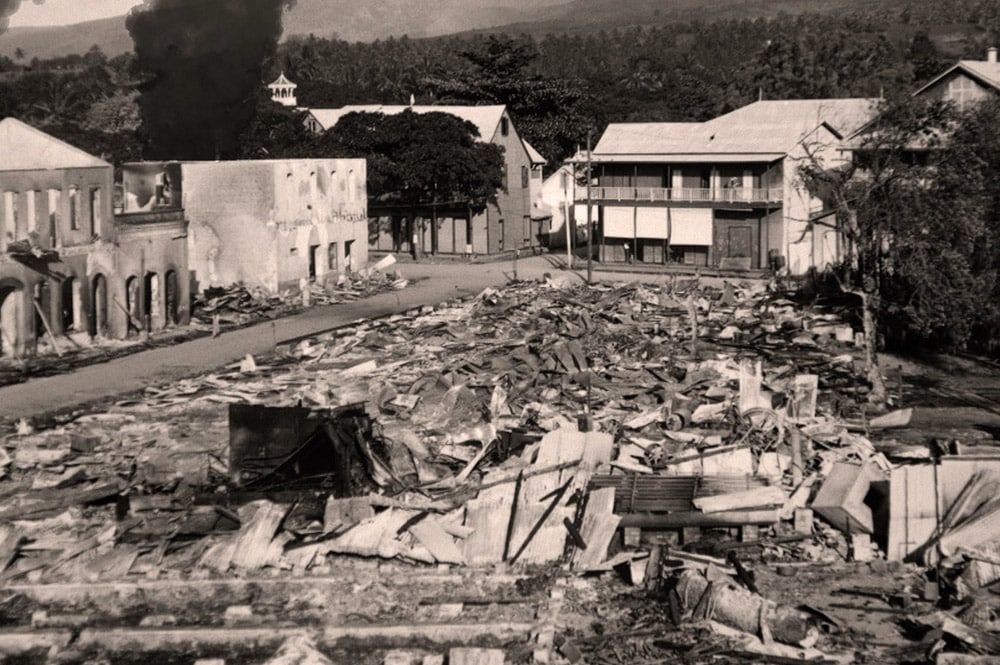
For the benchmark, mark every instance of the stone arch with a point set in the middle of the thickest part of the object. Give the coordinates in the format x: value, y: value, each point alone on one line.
x: 11, y: 316
x: 71, y: 304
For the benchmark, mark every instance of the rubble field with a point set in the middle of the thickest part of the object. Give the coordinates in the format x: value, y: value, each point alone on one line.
x: 550, y: 472
x: 214, y: 311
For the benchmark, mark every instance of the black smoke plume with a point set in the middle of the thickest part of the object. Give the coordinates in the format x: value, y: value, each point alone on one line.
x: 7, y: 9
x: 202, y: 62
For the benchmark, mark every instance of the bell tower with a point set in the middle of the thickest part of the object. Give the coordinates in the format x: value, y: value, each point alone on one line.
x: 283, y: 91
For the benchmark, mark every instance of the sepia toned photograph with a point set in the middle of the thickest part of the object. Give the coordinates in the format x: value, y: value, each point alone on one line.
x: 555, y: 332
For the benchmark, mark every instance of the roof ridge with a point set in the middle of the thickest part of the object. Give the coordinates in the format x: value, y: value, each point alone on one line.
x: 10, y: 120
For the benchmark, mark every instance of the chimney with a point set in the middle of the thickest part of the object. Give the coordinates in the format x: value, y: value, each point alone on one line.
x: 991, y: 54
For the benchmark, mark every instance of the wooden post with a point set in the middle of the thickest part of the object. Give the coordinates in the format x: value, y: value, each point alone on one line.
x: 48, y: 328
x: 142, y: 290
x: 127, y: 313
x: 569, y: 241
x: 590, y: 226
x: 795, y: 438
x: 693, y: 314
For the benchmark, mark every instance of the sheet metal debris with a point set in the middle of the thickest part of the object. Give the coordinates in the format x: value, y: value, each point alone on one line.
x: 528, y: 426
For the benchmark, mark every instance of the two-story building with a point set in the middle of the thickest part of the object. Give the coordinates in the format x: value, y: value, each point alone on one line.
x: 68, y: 264
x: 555, y: 205
x: 275, y: 223
x: 723, y: 193
x: 510, y: 223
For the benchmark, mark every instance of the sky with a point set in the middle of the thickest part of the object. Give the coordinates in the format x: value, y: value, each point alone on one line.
x: 65, y: 12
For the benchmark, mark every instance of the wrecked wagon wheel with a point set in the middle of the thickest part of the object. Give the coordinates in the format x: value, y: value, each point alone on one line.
x: 762, y: 428
x: 654, y: 455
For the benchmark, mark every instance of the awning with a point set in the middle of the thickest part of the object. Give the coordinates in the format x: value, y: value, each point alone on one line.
x: 619, y: 221
x: 690, y: 226
x: 651, y: 223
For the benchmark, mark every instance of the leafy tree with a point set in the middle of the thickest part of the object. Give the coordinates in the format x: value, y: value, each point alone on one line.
x: 910, y: 209
x: 116, y: 113
x: 419, y: 158
x: 925, y: 58
x: 276, y: 132
x: 548, y: 112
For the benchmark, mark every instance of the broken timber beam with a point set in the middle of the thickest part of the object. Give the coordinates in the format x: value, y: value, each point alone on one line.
x: 139, y: 640
x: 692, y: 518
x: 48, y: 328
x: 741, y: 609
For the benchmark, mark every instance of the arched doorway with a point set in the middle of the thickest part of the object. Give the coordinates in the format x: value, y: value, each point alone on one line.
x: 11, y: 316
x: 98, y: 306
x: 132, y: 304
x: 153, y: 305
x: 172, y: 296
x: 71, y: 305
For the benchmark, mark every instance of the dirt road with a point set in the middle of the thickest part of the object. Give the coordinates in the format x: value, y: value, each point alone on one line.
x: 433, y: 284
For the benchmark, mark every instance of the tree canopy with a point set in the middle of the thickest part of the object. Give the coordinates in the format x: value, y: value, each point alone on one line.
x: 917, y: 209
x: 419, y: 158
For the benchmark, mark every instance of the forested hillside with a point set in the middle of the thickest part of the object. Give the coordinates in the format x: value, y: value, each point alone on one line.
x: 559, y: 86
x: 688, y: 71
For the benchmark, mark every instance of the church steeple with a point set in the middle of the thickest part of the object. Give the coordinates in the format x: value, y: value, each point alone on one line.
x: 283, y: 91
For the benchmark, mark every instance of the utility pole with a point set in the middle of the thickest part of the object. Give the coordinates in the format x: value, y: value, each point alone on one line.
x: 569, y: 242
x: 590, y: 226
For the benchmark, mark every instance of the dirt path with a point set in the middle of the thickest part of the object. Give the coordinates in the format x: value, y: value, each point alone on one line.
x: 433, y: 284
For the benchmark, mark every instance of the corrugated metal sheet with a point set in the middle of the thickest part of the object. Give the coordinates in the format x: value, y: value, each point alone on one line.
x: 764, y: 128
x: 636, y: 493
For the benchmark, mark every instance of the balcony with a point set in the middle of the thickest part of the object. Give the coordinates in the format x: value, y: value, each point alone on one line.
x: 748, y: 195
x: 150, y: 218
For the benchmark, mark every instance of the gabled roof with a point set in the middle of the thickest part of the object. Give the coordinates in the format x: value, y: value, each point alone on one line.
x: 761, y: 131
x: 485, y: 118
x: 281, y: 81
x: 24, y: 148
x: 535, y: 156
x: 987, y: 73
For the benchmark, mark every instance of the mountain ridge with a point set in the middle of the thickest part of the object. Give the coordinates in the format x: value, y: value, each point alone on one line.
x: 366, y: 22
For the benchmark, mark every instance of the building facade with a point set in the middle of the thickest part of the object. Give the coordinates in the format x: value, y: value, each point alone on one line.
x: 275, y: 223
x: 68, y: 263
x: 966, y: 82
x: 506, y: 225
x: 556, y: 206
x: 724, y: 193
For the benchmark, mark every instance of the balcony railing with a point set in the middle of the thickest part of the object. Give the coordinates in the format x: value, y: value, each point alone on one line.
x: 154, y: 216
x: 683, y: 194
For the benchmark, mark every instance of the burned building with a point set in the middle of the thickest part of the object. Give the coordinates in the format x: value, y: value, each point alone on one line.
x: 68, y: 264
x: 274, y: 223
x: 152, y: 251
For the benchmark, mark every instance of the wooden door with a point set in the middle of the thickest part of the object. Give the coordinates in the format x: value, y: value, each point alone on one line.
x: 740, y: 242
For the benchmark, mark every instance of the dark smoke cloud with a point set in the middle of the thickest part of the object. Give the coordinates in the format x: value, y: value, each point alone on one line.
x: 202, y: 62
x: 8, y: 8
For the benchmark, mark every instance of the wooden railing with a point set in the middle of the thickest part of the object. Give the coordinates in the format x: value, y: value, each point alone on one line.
x: 684, y: 194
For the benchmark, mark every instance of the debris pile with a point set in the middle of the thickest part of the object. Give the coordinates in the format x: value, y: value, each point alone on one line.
x: 238, y: 305
x: 675, y: 434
